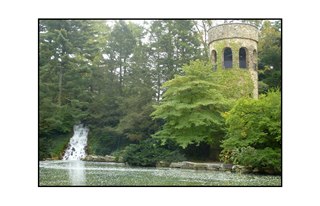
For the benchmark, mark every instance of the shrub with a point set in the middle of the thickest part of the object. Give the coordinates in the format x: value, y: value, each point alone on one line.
x: 270, y: 158
x: 43, y: 149
x: 116, y: 154
x: 101, y: 142
x: 254, y: 123
x: 149, y: 153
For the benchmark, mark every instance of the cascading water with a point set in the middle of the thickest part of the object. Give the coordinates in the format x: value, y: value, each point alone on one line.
x: 77, y: 143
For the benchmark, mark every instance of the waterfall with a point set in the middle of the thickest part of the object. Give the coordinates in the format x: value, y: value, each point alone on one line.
x: 77, y: 143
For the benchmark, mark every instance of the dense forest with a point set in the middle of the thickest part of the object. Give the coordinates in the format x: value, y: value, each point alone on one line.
x: 130, y: 83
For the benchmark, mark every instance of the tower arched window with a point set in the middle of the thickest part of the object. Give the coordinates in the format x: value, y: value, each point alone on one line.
x: 214, y: 58
x: 242, y: 58
x: 227, y: 58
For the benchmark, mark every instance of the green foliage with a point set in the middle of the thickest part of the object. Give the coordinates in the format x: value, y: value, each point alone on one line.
x: 116, y: 154
x: 257, y: 23
x: 149, y: 153
x: 173, y: 43
x: 269, y: 52
x: 267, y: 157
x: 109, y: 78
x: 58, y: 150
x: 256, y: 123
x: 202, y: 27
x: 262, y: 87
x: 236, y: 154
x: 57, y: 142
x: 119, y: 48
x: 43, y: 149
x: 191, y: 106
x: 102, y: 142
x: 234, y: 83
x: 66, y: 48
x: 136, y: 102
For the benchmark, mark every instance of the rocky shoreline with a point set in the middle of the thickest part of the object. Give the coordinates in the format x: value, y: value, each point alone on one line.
x: 215, y: 166
x: 97, y: 158
x: 221, y: 167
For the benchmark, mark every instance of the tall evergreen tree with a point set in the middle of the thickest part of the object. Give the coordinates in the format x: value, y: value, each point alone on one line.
x: 138, y: 93
x: 119, y: 49
x: 173, y: 43
x: 64, y: 72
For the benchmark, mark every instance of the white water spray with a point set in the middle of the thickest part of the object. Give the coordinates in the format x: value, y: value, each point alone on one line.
x: 77, y: 143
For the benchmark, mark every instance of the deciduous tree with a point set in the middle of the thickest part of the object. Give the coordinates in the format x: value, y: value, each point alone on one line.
x: 191, y: 106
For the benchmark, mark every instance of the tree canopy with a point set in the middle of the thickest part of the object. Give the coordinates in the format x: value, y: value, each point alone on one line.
x: 129, y: 81
x: 191, y: 106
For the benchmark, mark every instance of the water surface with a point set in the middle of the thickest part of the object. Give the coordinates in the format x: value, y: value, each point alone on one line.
x: 81, y: 173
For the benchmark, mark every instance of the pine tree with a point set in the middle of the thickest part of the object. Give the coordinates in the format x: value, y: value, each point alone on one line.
x: 173, y: 43
x: 119, y: 49
x: 64, y: 72
x: 138, y: 93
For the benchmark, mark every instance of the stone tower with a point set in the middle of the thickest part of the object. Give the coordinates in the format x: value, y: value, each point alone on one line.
x: 243, y: 35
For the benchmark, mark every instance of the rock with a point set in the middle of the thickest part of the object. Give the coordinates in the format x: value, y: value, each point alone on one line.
x: 95, y: 158
x: 176, y: 165
x: 163, y: 164
x: 199, y: 167
x: 240, y: 166
x: 187, y: 165
x: 256, y: 170
x: 226, y: 166
x: 110, y: 158
x: 212, y: 169
x: 120, y: 159
x: 216, y: 166
x: 246, y: 170
x: 89, y: 158
x: 237, y: 170
x: 269, y: 171
x: 102, y: 159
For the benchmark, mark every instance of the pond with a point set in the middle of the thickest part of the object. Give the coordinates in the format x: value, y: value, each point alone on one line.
x: 81, y: 173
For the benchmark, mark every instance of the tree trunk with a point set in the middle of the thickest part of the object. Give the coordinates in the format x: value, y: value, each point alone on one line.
x: 121, y: 78
x: 158, y: 82
x: 158, y: 87
x: 60, y: 86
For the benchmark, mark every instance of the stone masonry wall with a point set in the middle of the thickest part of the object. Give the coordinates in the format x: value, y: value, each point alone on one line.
x: 233, y: 30
x: 244, y: 35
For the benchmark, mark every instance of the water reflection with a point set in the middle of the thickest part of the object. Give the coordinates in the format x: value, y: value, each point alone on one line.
x: 77, y: 174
